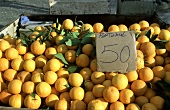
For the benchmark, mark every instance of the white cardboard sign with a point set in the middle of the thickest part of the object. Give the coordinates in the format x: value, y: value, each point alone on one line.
x: 116, y: 51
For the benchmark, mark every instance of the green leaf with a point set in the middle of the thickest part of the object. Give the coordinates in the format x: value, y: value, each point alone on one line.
x: 72, y: 69
x: 69, y: 42
x: 148, y: 33
x: 61, y: 57
x: 33, y: 94
x: 160, y: 44
x: 86, y: 40
x: 31, y: 30
x: 64, y: 40
x: 153, y: 37
x: 24, y: 42
x: 137, y: 35
x: 74, y: 35
x: 39, y: 35
x: 88, y: 34
x: 62, y: 32
x: 79, y: 50
x: 162, y: 85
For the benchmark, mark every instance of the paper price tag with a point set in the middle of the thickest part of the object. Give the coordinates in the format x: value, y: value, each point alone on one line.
x: 116, y: 51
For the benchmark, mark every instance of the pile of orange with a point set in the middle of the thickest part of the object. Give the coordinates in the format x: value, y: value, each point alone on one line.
x: 33, y: 77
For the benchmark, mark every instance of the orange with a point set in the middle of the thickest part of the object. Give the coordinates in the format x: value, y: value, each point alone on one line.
x: 135, y: 27
x: 111, y: 94
x: 9, y: 38
x: 53, y: 35
x: 37, y: 77
x: 143, y: 24
x: 148, y: 48
x: 3, y: 86
x: 156, y: 30
x: 10, y: 74
x: 141, y: 39
x: 141, y: 100
x: 62, y: 73
x: 61, y: 85
x: 107, y: 83
x: 28, y: 87
x: 65, y: 96
x: 70, y: 56
x: 62, y: 48
x: 37, y: 48
x: 72, y: 47
x: 167, y: 77
x: 95, y: 104
x: 76, y: 93
x: 122, y: 27
x: 88, y: 85
x: 146, y: 74
x: 139, y: 63
x: 151, y: 29
x: 167, y: 46
x: 132, y: 106
x: 34, y: 34
x: 93, y: 65
x: 49, y: 52
x: 11, y: 53
x: 126, y: 96
x: 32, y: 102
x: 155, y: 79
x: 61, y: 105
x: 140, y: 54
x: 98, y: 90
x: 88, y: 96
x: 159, y: 71
x: 22, y: 49
x: 87, y: 49
x: 86, y: 73
x: 167, y: 60
x: 4, y: 64
x: 139, y: 87
x: 51, y: 99
x: 29, y: 65
x: 1, y: 77
x: 39, y: 28
x: 98, y: 27
x: 154, y: 24
x: 167, y: 67
x: 29, y: 55
x: 97, y: 77
x: 50, y: 77
x: 159, y: 60
x: 54, y: 26
x: 137, y: 45
x: 40, y: 61
x: 164, y: 34
x: 120, y: 81
x: 117, y: 106
x: 4, y: 96
x: 149, y: 106
x: 24, y: 76
x: 43, y: 89
x: 4, y: 45
x: 75, y: 79
x: 67, y: 24
x: 82, y: 60
x: 149, y: 93
x: 17, y: 64
x: 110, y: 75
x: 14, y: 86
x: 77, y: 105
x: 53, y: 65
x: 16, y: 101
x: 58, y: 39
x: 87, y: 26
x: 131, y: 76
x: 158, y: 102
x: 76, y: 29
x: 1, y: 54
x: 113, y: 28
x: 54, y: 91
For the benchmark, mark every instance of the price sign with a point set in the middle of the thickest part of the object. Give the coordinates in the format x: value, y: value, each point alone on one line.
x: 116, y: 51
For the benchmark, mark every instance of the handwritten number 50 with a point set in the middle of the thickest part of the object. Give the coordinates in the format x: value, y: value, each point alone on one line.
x: 105, y: 50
